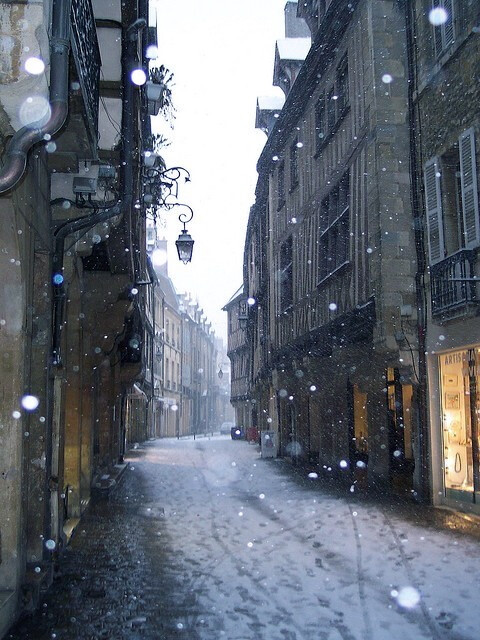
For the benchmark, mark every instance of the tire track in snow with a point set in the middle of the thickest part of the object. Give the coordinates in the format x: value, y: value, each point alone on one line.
x: 429, y: 624
x: 361, y: 579
x: 233, y: 557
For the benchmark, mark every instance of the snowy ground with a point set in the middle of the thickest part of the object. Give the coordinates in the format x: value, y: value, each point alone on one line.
x: 263, y: 556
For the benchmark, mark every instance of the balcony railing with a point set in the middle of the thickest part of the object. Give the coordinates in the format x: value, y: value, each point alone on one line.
x: 450, y: 287
x: 87, y: 61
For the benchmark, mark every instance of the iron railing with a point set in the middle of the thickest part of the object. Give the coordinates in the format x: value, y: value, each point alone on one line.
x: 87, y: 61
x: 450, y: 286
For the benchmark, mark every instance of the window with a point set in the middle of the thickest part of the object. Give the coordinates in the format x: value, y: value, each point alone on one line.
x: 294, y: 164
x: 320, y: 129
x: 451, y: 200
x: 331, y: 108
x: 444, y: 34
x: 286, y: 274
x: 321, y: 9
x: 342, y: 87
x: 281, y: 185
x: 334, y: 229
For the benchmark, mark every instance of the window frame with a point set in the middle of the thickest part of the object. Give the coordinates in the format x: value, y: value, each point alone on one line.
x: 333, y: 105
x: 320, y: 123
x: 334, y: 236
x: 281, y: 195
x: 293, y: 158
x: 286, y: 275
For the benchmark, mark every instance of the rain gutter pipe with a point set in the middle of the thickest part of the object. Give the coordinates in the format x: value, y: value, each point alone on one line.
x: 123, y: 206
x: 415, y: 178
x: 15, y: 158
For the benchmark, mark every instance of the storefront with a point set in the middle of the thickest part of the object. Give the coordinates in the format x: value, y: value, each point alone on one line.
x: 460, y: 406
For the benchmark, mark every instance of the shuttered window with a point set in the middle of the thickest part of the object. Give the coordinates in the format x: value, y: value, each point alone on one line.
x: 469, y: 185
x: 444, y: 34
x: 433, y: 202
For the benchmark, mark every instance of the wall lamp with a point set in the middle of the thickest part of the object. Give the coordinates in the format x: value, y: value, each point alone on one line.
x: 185, y: 241
x: 160, y: 180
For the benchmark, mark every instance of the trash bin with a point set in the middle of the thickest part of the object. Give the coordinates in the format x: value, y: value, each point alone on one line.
x: 237, y: 433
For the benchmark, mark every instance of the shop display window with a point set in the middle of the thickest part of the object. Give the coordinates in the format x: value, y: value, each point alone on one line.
x: 460, y: 406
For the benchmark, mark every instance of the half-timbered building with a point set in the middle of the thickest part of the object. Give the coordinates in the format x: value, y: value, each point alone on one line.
x: 339, y: 247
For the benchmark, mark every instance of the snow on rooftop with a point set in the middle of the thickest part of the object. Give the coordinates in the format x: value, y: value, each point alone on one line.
x: 293, y: 48
x: 270, y: 103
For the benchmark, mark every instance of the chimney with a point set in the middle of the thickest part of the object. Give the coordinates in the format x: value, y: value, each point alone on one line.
x: 161, y: 264
x: 294, y: 27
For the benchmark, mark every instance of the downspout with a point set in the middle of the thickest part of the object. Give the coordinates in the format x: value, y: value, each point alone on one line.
x: 123, y: 206
x: 15, y: 158
x: 415, y: 135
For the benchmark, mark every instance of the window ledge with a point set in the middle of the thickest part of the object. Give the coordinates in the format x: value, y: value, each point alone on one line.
x: 336, y: 272
x: 331, y: 133
x: 440, y: 61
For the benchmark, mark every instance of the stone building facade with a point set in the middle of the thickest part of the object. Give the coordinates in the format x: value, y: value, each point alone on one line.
x: 445, y: 50
x: 73, y: 248
x: 336, y: 321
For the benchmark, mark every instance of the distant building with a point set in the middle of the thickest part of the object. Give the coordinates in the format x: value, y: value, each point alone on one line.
x: 237, y: 351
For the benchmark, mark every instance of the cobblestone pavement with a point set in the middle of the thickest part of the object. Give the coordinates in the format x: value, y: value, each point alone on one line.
x: 117, y: 577
x: 205, y: 541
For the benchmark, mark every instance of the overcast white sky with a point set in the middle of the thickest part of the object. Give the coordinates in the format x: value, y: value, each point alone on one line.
x: 222, y: 53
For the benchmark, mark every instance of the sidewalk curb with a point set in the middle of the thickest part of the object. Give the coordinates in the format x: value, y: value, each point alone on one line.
x: 104, y: 486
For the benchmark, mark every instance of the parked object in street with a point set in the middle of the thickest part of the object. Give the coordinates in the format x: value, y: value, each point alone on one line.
x: 226, y: 428
x: 269, y: 444
x: 237, y: 433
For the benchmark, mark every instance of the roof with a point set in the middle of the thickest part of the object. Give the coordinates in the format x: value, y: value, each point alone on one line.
x: 270, y: 103
x: 293, y: 48
x: 238, y: 293
x: 171, y: 297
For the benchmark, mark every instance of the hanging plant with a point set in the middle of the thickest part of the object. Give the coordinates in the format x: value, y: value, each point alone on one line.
x: 164, y: 77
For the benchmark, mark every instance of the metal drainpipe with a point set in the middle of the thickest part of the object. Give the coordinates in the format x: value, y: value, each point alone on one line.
x: 126, y: 179
x: 415, y: 132
x: 15, y: 159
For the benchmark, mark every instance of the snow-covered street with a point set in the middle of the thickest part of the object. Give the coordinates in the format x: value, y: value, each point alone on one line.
x: 205, y: 540
x: 267, y: 556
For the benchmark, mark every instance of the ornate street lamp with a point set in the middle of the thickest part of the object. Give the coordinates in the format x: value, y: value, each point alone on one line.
x: 184, y: 246
x: 185, y: 241
x: 159, y: 185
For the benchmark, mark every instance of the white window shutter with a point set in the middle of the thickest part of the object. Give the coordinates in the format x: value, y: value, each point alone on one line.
x: 449, y: 30
x: 468, y: 175
x: 433, y: 202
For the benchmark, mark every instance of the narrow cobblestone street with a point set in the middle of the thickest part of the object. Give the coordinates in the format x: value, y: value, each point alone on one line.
x: 205, y: 540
